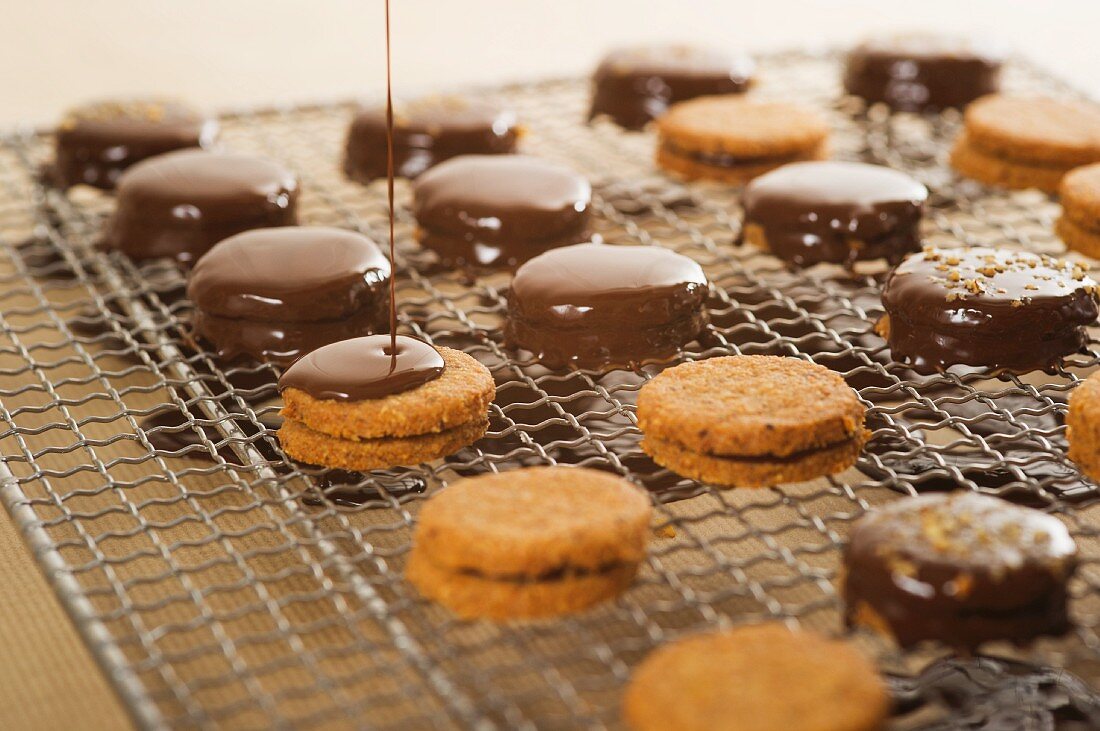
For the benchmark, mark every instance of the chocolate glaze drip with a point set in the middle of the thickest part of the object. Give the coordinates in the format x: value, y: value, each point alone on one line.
x: 170, y: 430
x: 182, y: 203
x: 837, y: 212
x: 426, y: 132
x: 921, y: 72
x: 986, y: 307
x: 364, y: 368
x: 592, y: 304
x: 635, y: 85
x: 499, y: 210
x: 277, y: 293
x: 962, y: 568
x: 97, y: 142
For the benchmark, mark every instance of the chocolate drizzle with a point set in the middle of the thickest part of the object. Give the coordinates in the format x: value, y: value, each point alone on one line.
x: 97, y: 142
x: 182, y: 203
x: 920, y: 72
x: 364, y: 368
x: 275, y: 294
x: 593, y: 304
x: 838, y: 212
x: 635, y: 85
x: 499, y: 210
x: 986, y: 307
x: 426, y: 132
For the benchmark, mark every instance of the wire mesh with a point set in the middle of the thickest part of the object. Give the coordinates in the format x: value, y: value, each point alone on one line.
x: 222, y: 585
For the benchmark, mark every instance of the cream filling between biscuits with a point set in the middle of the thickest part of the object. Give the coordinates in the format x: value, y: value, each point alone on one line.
x: 563, y: 573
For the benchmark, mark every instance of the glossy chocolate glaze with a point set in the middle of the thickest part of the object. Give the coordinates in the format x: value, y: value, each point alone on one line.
x: 979, y: 306
x: 593, y: 304
x: 499, y: 210
x: 962, y: 568
x: 921, y: 72
x: 364, y: 368
x: 95, y: 143
x: 182, y: 203
x: 838, y: 212
x: 632, y: 86
x: 426, y: 132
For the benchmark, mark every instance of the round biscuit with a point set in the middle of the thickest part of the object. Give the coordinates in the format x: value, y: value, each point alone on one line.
x: 306, y: 445
x: 1083, y: 426
x: 761, y: 677
x: 688, y: 169
x: 1078, y: 238
x: 743, y: 128
x: 755, y: 472
x: 991, y: 170
x: 472, y: 597
x: 1080, y: 196
x: 461, y: 395
x: 534, y: 521
x: 1035, y: 129
x: 750, y: 405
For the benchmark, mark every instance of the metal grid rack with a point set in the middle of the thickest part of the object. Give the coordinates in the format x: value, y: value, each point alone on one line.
x: 221, y: 585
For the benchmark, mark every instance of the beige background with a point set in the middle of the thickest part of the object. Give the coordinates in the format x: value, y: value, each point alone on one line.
x: 224, y: 53
x: 233, y: 52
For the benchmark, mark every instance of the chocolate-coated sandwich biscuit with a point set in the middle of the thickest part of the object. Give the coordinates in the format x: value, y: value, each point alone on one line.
x: 733, y: 139
x: 532, y: 542
x: 593, y: 304
x: 355, y: 405
x: 763, y: 677
x: 274, y: 294
x: 1026, y: 141
x: 633, y: 86
x: 95, y: 143
x: 986, y: 307
x: 182, y: 203
x: 918, y: 72
x: 836, y: 212
x: 426, y: 132
x: 960, y: 568
x: 750, y: 421
x: 499, y: 210
x: 1083, y: 426
x: 1079, y: 224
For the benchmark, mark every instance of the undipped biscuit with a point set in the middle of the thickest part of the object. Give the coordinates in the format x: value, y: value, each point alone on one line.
x: 531, y: 542
x: 761, y: 677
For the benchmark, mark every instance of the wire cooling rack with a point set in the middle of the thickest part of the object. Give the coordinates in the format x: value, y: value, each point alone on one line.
x: 220, y: 585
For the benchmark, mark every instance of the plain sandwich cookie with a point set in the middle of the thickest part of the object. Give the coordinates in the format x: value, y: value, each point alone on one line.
x: 751, y: 421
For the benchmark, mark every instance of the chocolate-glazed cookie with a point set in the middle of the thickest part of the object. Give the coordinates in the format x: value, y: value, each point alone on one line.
x: 838, y: 212
x: 95, y: 143
x: 980, y: 306
x: 427, y: 132
x: 593, y: 304
x: 274, y: 294
x: 918, y: 72
x: 499, y: 210
x: 182, y: 203
x: 961, y: 568
x: 632, y: 86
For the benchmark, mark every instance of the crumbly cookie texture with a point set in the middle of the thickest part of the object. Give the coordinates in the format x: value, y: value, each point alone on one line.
x: 762, y: 677
x: 1083, y: 426
x: 530, y: 542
